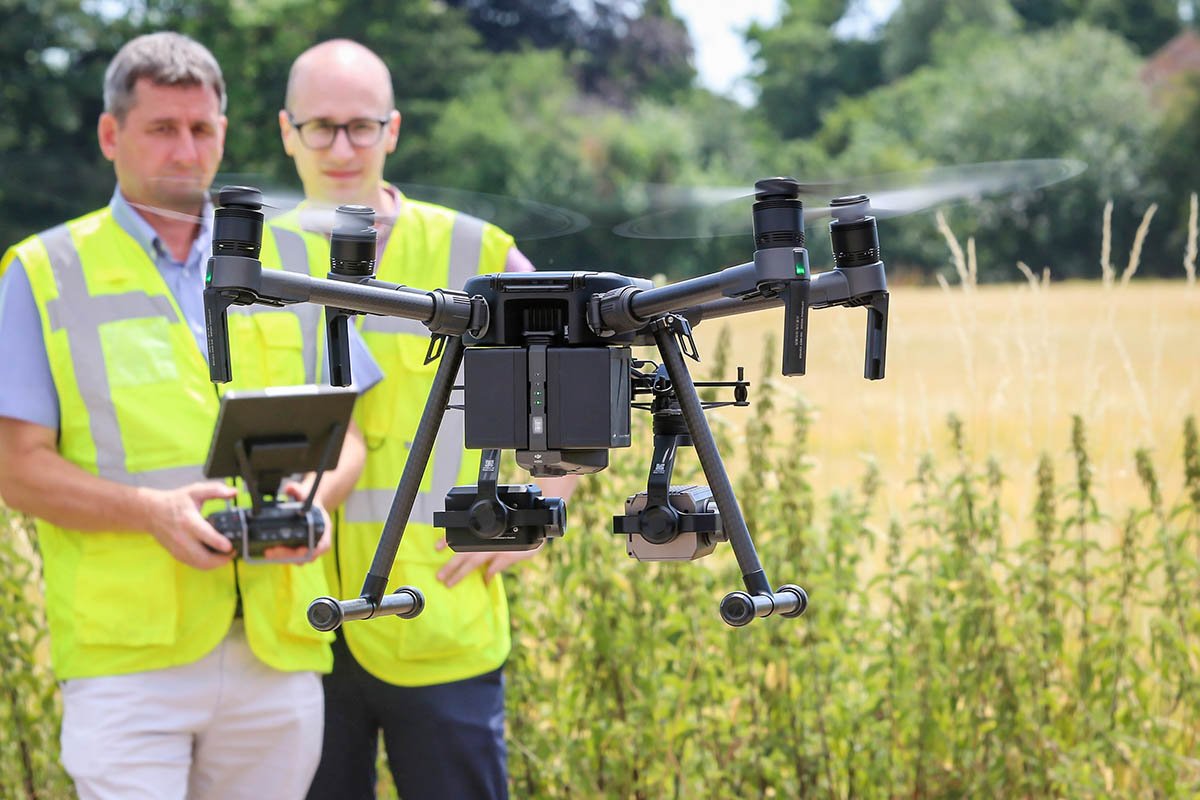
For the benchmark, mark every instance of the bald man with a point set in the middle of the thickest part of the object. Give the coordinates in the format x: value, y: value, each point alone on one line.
x: 433, y: 685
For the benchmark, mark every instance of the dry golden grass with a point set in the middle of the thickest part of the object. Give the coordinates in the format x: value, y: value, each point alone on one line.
x: 1015, y: 363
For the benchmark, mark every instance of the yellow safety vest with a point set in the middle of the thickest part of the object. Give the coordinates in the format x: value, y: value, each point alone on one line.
x: 464, y: 630
x: 137, y: 407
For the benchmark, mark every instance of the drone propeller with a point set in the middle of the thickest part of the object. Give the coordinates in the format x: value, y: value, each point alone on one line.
x: 525, y: 220
x: 721, y: 211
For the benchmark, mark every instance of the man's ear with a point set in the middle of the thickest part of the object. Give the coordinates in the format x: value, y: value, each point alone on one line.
x: 286, y: 133
x: 393, y: 130
x: 107, y: 129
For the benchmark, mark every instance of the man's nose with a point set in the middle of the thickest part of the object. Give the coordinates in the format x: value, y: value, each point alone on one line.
x: 186, y: 149
x: 341, y: 147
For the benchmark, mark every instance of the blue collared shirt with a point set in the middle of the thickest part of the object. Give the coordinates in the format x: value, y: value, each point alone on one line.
x: 28, y: 391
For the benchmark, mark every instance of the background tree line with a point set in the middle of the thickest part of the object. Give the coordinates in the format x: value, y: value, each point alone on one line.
x: 589, y: 106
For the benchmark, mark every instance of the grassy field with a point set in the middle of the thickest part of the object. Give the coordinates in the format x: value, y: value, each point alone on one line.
x: 1014, y: 362
x: 969, y: 636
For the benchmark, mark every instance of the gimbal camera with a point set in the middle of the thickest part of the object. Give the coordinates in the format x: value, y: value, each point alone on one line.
x: 548, y: 373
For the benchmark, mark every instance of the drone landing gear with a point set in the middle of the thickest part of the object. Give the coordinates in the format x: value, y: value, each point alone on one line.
x: 738, y: 608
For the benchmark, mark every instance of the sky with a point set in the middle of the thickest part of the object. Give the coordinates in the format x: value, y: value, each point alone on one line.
x: 722, y: 58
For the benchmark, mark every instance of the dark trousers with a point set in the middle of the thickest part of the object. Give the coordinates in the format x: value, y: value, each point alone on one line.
x: 444, y: 742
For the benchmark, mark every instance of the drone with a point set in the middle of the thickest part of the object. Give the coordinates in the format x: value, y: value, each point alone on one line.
x: 548, y: 373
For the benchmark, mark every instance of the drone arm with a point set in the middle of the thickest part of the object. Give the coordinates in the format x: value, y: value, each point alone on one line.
x: 414, y: 468
x: 629, y: 308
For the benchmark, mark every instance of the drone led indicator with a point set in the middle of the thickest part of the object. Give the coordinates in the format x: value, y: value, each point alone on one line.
x: 799, y: 267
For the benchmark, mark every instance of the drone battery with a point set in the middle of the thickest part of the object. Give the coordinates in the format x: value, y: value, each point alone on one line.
x: 496, y: 397
x: 586, y: 402
x: 587, y: 397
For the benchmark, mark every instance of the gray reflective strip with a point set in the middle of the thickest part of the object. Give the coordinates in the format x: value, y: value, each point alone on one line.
x: 81, y: 315
x: 293, y: 255
x: 466, y: 248
x: 372, y: 505
x: 378, y: 324
x: 292, y: 251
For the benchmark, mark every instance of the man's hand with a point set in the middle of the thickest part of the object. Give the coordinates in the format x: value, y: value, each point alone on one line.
x: 461, y: 565
x: 302, y: 555
x: 173, y: 518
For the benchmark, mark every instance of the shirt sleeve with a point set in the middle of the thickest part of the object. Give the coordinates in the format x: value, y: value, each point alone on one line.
x: 517, y: 262
x: 27, y: 390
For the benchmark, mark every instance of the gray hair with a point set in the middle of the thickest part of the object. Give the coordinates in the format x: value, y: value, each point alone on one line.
x: 167, y: 59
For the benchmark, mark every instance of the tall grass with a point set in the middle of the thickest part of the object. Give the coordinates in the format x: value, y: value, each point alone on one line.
x: 959, y: 646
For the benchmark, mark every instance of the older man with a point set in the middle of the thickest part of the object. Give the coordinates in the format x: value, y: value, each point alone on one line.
x: 184, y: 673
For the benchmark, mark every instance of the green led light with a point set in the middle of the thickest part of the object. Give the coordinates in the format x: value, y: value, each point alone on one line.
x: 208, y: 274
x: 799, y: 267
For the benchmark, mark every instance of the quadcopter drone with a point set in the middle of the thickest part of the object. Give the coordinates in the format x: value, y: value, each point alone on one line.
x: 549, y: 373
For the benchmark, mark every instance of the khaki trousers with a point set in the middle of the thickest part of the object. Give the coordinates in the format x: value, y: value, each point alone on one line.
x: 226, y: 726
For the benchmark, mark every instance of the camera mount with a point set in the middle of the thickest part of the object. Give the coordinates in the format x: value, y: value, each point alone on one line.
x: 549, y: 374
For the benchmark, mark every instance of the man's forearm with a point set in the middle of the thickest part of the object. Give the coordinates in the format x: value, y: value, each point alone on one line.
x: 44, y: 484
x: 337, y: 483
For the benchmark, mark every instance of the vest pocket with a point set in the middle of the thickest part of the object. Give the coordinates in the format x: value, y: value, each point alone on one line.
x: 266, y: 349
x: 456, y: 620
x: 395, y: 404
x: 125, y: 591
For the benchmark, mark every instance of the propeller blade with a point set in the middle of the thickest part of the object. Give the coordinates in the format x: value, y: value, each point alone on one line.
x: 724, y: 211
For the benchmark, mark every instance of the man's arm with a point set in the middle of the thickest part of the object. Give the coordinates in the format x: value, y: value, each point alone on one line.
x: 36, y: 479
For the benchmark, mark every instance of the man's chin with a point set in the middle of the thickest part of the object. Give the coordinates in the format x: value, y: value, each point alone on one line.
x: 181, y: 195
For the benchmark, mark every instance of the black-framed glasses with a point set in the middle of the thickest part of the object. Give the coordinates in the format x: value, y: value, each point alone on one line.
x: 319, y: 134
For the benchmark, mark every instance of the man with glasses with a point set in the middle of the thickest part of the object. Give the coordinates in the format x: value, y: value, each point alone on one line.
x: 183, y: 671
x: 434, y: 684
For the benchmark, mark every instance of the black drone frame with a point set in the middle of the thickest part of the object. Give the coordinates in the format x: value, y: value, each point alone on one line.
x: 599, y: 310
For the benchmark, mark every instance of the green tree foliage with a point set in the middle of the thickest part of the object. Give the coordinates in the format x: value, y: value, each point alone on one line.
x: 806, y: 68
x: 618, y: 49
x: 1176, y: 143
x: 1146, y: 24
x: 531, y: 135
x: 921, y: 31
x: 991, y: 104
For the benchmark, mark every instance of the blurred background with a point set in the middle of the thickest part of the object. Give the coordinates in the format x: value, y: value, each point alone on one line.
x: 591, y: 104
x: 1001, y: 539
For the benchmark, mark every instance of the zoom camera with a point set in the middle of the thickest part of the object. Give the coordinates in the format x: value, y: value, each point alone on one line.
x: 687, y: 527
x: 490, y: 518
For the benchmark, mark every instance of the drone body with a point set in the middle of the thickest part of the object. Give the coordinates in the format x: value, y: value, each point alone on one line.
x: 549, y: 374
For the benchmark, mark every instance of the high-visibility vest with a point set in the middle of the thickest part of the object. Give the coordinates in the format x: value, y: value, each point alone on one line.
x: 464, y: 630
x: 137, y: 407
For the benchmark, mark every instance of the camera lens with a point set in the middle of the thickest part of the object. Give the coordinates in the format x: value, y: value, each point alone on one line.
x: 238, y: 222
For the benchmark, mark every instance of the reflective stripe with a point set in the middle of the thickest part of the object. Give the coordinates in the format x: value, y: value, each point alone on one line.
x: 372, y: 505
x: 293, y: 255
x: 374, y: 323
x: 81, y: 316
x: 466, y: 248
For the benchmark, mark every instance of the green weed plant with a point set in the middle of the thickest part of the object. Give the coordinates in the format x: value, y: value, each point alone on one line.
x: 955, y: 651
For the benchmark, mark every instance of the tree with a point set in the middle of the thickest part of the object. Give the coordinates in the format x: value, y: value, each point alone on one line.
x: 806, y: 68
x: 618, y: 49
x: 924, y: 31
x: 995, y: 104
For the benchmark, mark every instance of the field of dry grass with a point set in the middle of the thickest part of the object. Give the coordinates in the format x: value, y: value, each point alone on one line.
x: 1014, y: 362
